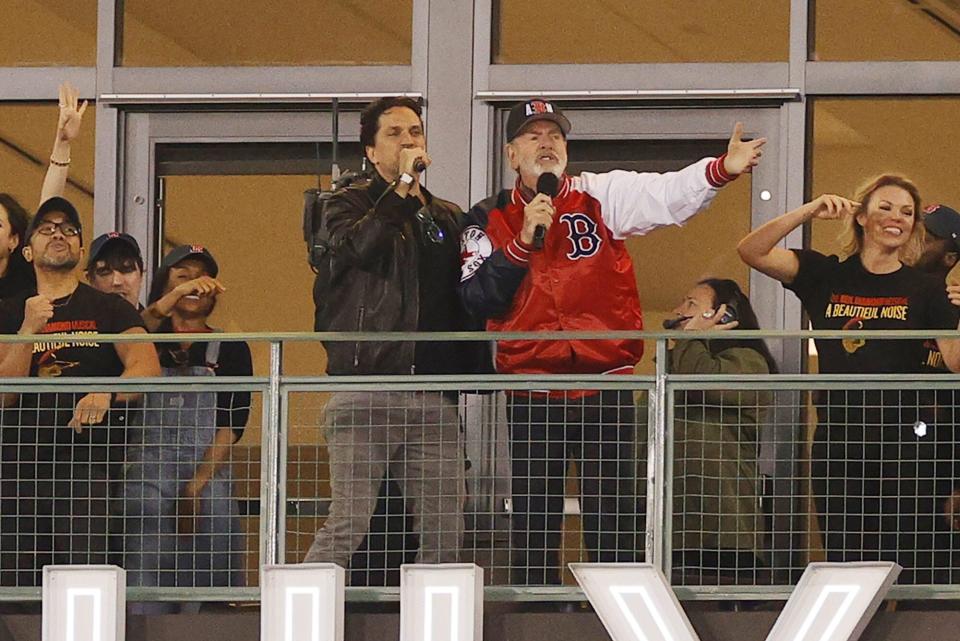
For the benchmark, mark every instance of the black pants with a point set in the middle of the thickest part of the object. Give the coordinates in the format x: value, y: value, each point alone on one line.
x: 54, y: 510
x: 546, y: 434
x: 880, y: 488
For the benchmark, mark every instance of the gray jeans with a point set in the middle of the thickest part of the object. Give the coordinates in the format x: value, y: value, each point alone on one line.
x: 416, y: 434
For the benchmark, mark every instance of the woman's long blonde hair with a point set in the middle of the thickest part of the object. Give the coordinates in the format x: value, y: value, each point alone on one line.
x: 851, y: 238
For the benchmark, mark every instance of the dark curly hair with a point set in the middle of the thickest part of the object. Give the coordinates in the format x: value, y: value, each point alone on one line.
x: 19, y: 221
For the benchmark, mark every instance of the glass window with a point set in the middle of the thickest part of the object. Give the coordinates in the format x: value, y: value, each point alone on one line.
x: 49, y: 34
x: 885, y: 30
x: 26, y: 137
x: 854, y: 139
x: 186, y: 33
x: 612, y: 31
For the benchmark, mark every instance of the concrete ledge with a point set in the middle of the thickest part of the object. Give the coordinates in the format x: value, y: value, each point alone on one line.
x: 913, y: 625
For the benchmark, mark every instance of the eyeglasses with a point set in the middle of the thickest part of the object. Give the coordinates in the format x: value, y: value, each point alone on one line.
x: 431, y: 230
x: 67, y: 229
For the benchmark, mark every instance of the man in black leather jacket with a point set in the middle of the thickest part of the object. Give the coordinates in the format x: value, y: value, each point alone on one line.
x: 394, y: 265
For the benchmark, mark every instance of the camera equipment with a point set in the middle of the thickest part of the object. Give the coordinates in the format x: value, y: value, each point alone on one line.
x: 315, y: 234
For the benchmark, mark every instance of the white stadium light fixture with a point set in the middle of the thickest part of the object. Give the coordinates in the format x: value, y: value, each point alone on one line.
x: 832, y: 601
x: 441, y: 602
x: 303, y: 602
x: 634, y: 602
x: 84, y: 603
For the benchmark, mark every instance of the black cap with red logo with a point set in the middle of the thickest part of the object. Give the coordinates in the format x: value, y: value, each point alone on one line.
x: 184, y: 252
x: 176, y: 255
x: 942, y: 222
x: 112, y: 239
x: 522, y: 114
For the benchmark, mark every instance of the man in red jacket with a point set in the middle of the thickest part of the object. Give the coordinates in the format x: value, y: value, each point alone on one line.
x: 580, y: 278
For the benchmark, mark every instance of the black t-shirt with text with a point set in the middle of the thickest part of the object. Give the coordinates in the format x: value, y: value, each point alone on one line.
x: 83, y: 314
x: 844, y: 295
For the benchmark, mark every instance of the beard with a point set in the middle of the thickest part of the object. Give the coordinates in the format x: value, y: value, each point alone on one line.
x: 63, y: 263
x: 538, y: 168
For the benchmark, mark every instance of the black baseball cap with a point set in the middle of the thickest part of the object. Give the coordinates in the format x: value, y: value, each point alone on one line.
x: 102, y: 242
x: 54, y: 205
x: 943, y: 222
x: 184, y: 252
x: 523, y: 113
x: 176, y: 255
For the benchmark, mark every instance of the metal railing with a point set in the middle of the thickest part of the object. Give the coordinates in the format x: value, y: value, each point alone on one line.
x: 693, y: 505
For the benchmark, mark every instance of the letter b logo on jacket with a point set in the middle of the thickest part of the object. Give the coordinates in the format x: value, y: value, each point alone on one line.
x: 582, y: 232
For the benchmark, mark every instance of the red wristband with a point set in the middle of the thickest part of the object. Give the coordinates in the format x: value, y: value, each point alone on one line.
x: 717, y: 175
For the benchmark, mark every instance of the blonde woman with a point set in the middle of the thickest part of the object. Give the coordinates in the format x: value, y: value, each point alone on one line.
x: 872, y: 477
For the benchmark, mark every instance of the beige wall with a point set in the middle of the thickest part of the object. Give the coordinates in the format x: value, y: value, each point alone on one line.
x: 288, y: 32
x: 610, y: 31
x: 885, y: 30
x: 856, y: 139
x: 48, y: 33
x: 218, y: 32
x: 31, y: 127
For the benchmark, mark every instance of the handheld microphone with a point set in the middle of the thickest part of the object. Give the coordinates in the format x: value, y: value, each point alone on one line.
x: 673, y: 323
x: 419, y: 165
x: 548, y: 184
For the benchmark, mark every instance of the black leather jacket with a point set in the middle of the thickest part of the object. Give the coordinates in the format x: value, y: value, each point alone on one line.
x: 371, y: 282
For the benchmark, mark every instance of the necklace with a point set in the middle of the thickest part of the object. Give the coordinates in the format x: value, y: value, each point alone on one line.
x: 66, y: 302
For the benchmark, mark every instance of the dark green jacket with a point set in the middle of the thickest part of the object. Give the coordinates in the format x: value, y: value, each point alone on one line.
x: 716, y: 485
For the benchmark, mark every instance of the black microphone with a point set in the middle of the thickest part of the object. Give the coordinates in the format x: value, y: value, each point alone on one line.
x: 548, y: 184
x: 673, y: 323
x: 419, y: 165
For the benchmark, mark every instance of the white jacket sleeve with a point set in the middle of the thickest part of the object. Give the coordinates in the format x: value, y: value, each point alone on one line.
x: 633, y: 203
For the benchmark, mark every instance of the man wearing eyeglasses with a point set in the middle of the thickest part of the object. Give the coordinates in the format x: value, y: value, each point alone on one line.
x: 55, y: 445
x: 393, y: 267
